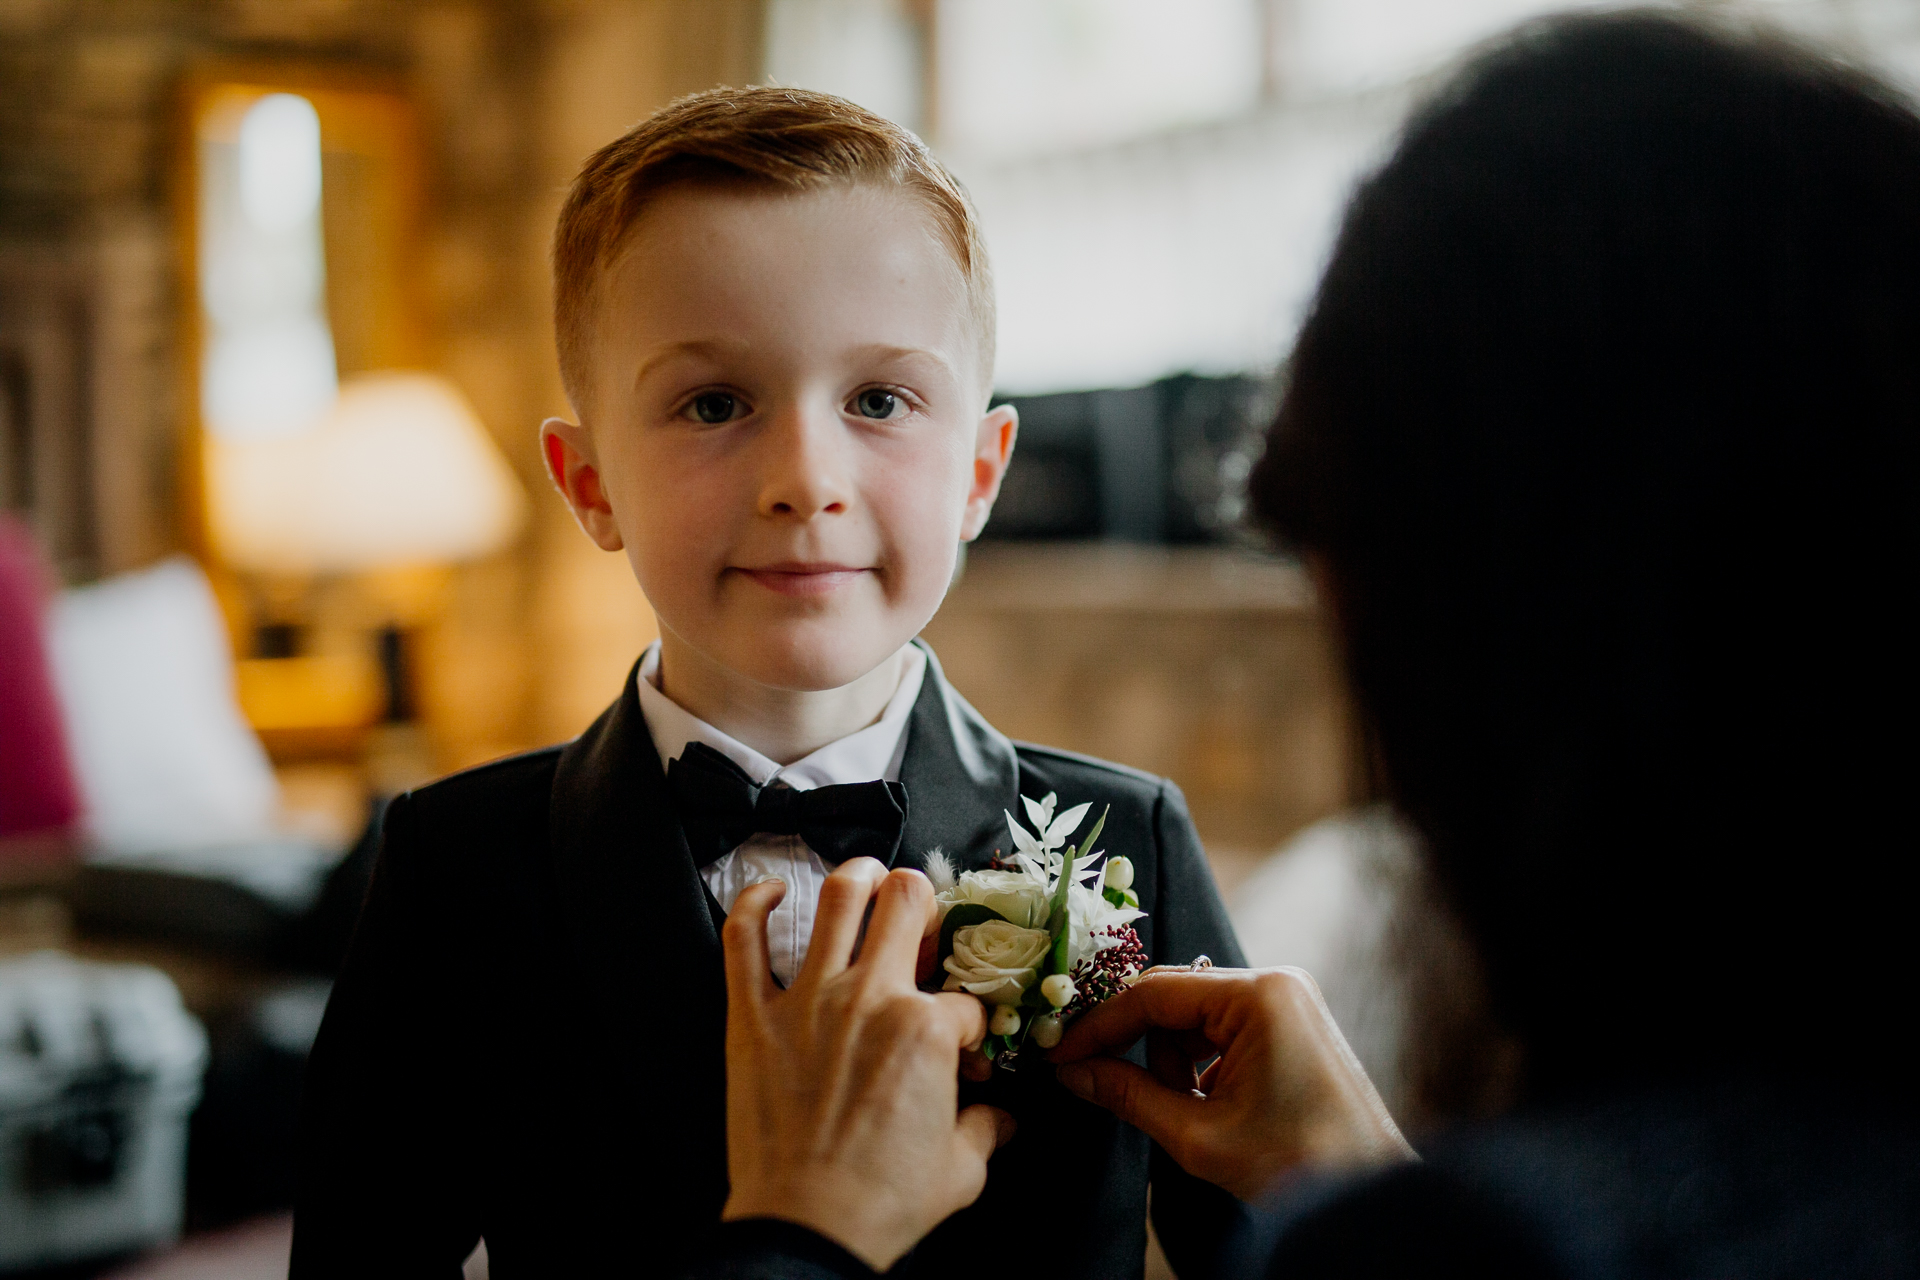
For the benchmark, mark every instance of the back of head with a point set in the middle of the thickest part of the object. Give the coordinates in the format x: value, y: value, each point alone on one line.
x: 1604, y: 423
x: 779, y: 139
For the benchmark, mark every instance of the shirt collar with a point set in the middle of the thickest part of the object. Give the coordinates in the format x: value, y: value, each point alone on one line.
x: 874, y: 752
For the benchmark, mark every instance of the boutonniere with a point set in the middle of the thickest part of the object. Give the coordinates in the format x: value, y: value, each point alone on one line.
x: 1042, y: 938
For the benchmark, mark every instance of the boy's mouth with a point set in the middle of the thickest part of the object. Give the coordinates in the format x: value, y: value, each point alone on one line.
x: 802, y: 578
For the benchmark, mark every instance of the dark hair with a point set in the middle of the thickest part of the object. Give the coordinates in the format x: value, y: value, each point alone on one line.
x: 1603, y: 426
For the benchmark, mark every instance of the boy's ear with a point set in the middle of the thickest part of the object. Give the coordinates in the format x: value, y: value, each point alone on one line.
x: 993, y: 449
x: 567, y: 450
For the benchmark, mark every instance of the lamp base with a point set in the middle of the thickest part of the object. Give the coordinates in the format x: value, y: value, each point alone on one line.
x: 395, y: 648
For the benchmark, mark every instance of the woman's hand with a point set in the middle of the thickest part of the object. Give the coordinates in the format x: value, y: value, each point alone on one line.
x: 1286, y: 1090
x: 841, y: 1090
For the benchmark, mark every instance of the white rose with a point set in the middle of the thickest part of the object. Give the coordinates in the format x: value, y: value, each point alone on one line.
x: 1013, y: 895
x: 996, y: 960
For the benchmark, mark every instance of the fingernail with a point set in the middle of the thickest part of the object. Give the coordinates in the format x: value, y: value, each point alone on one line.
x: 1077, y: 1077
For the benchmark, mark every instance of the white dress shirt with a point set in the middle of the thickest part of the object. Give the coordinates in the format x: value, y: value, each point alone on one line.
x: 873, y: 753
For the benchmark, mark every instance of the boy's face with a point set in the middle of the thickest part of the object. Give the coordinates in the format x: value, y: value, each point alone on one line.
x: 785, y: 427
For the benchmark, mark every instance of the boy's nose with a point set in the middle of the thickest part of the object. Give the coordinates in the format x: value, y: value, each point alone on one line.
x: 804, y: 467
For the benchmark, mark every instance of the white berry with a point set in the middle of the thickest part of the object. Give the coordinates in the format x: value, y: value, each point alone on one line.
x: 1119, y: 873
x: 1046, y: 1031
x: 1058, y: 989
x: 1005, y: 1020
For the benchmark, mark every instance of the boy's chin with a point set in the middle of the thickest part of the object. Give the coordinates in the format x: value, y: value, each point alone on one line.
x: 814, y: 662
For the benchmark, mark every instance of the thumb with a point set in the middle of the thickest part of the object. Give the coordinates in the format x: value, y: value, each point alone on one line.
x: 1131, y: 1093
x: 984, y: 1129
x: 978, y: 1132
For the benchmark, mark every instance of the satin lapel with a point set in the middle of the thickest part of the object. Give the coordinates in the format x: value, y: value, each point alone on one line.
x: 961, y: 776
x: 636, y: 906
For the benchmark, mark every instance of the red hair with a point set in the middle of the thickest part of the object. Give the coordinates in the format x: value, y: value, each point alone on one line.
x: 786, y: 139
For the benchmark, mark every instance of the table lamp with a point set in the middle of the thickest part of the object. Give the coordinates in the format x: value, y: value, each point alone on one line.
x: 398, y: 477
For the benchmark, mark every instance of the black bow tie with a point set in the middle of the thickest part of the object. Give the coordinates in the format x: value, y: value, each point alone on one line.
x: 720, y: 808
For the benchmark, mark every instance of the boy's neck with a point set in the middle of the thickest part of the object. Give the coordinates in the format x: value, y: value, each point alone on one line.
x: 783, y: 725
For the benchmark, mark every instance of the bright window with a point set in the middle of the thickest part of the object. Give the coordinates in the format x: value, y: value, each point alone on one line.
x: 267, y: 362
x: 1027, y: 77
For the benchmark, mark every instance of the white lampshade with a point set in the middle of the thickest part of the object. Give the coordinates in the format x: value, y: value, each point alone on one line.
x: 399, y: 472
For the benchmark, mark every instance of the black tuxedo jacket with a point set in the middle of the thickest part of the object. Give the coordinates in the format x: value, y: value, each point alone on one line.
x: 526, y: 1042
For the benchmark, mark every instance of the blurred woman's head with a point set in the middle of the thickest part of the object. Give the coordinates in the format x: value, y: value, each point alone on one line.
x: 1603, y: 427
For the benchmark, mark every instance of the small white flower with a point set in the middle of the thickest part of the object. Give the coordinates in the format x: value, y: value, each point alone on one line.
x: 1005, y: 1020
x: 1046, y: 1030
x: 1119, y: 874
x: 996, y: 960
x: 940, y: 871
x: 1089, y: 916
x: 1058, y: 989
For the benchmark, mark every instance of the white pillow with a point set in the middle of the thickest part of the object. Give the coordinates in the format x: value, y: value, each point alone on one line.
x: 164, y: 757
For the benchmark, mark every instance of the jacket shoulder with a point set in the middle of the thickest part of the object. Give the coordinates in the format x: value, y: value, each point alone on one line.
x: 510, y: 795
x: 1048, y: 763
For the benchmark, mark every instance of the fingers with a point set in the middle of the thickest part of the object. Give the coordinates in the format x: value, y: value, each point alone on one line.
x: 965, y: 1019
x: 981, y: 1130
x: 1169, y: 999
x: 1163, y: 1114
x: 895, y: 931
x: 977, y: 1133
x: 836, y: 923
x: 744, y: 940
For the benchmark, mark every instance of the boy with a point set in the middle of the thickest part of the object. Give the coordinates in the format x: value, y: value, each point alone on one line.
x: 776, y: 328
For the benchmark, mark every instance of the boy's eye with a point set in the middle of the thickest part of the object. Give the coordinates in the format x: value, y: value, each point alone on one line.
x: 876, y: 403
x: 714, y: 406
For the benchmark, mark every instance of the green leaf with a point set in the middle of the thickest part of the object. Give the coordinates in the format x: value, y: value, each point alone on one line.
x: 958, y: 918
x: 1094, y: 834
x: 1121, y: 897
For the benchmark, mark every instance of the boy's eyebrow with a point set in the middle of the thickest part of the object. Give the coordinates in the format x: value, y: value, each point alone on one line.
x: 887, y: 351
x: 713, y: 347
x: 691, y: 347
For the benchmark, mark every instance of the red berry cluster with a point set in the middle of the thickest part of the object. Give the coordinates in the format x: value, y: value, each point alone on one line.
x: 1105, y: 975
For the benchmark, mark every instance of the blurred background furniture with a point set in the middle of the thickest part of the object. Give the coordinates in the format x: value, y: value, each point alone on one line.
x: 183, y: 808
x: 1206, y: 664
x: 39, y: 800
x: 99, y: 1070
x: 184, y: 860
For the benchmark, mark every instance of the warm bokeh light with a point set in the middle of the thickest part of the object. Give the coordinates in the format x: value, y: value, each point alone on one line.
x: 399, y: 472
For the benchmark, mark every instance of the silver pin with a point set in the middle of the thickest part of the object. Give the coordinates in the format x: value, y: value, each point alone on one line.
x: 1200, y: 964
